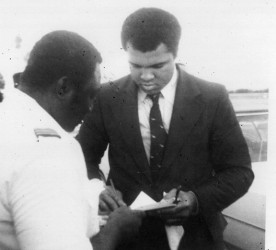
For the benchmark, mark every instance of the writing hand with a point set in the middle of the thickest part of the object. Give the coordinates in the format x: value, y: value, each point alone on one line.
x: 110, y: 200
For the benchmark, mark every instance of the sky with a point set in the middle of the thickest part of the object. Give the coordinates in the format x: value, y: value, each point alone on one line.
x: 229, y: 42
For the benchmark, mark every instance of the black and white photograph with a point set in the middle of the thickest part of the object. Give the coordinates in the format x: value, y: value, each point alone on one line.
x: 137, y: 125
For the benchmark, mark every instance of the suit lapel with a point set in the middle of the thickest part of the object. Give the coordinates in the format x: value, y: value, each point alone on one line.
x: 130, y: 128
x: 186, y: 112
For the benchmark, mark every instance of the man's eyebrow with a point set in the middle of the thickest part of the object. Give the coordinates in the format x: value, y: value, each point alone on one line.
x: 149, y: 66
x: 158, y: 64
x: 135, y: 64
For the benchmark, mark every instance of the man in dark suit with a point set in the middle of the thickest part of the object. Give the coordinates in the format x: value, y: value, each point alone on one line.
x: 166, y: 128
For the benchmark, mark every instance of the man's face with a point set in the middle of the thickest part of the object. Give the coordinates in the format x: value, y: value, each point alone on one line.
x: 82, y: 101
x: 151, y: 70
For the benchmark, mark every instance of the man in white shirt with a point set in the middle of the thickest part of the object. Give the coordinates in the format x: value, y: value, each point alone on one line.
x: 46, y: 199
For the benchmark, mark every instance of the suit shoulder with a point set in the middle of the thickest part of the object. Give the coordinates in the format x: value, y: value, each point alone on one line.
x: 115, y: 85
x: 110, y: 92
x: 207, y: 85
x: 207, y: 89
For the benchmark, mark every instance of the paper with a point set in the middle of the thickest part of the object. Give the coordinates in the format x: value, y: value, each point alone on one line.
x: 145, y: 203
x: 142, y: 200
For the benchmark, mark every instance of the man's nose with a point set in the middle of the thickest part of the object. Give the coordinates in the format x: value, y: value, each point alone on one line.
x: 147, y: 74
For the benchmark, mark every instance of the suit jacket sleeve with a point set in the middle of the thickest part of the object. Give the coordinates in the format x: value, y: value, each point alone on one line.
x: 93, y: 139
x: 232, y: 175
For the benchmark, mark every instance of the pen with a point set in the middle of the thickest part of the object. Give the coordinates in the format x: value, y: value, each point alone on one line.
x: 119, y: 200
x: 102, y: 177
x: 113, y: 187
x: 177, y: 193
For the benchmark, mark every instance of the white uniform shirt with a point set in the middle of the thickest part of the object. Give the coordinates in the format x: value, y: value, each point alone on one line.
x: 166, y: 101
x: 46, y: 199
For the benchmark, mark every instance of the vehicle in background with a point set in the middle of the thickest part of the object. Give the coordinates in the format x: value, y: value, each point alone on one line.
x: 254, y: 126
x: 246, y: 217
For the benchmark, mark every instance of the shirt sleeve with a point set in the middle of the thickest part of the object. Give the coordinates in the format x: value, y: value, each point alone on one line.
x: 48, y: 201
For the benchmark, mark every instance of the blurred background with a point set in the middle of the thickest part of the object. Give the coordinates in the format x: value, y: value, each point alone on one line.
x: 231, y: 42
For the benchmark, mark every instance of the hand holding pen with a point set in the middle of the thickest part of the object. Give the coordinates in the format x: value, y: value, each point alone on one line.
x: 186, y: 205
x: 176, y: 200
x: 110, y: 199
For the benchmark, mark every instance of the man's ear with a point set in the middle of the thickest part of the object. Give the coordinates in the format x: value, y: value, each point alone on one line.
x: 64, y: 87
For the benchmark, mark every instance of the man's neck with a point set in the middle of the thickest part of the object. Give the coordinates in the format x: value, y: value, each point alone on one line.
x: 40, y: 98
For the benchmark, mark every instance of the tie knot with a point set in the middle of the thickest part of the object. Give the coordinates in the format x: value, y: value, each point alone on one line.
x: 154, y: 97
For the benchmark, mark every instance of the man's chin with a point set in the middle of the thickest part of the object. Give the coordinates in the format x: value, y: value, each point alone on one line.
x: 150, y: 90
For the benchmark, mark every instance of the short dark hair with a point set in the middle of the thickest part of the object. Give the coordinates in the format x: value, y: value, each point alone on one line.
x: 60, y: 53
x: 147, y: 28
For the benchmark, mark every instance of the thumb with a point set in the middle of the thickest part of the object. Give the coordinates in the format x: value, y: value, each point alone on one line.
x: 170, y: 194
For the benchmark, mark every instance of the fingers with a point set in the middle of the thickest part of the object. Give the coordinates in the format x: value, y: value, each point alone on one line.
x: 187, y: 200
x: 109, y: 201
x: 180, y: 212
x: 103, y: 207
x: 170, y: 195
x: 118, y: 198
x: 181, y: 205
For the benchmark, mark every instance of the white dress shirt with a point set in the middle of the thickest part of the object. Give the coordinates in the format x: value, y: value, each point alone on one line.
x: 46, y: 199
x: 166, y: 102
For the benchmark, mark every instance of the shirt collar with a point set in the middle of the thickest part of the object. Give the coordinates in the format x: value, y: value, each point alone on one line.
x: 41, y: 117
x: 168, y: 92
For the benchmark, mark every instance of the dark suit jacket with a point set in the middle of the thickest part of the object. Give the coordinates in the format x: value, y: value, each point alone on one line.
x: 205, y: 153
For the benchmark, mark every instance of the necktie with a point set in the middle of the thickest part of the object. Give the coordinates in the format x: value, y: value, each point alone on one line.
x: 158, y: 137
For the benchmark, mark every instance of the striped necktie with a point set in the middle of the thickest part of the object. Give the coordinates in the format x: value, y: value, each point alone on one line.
x: 158, y: 137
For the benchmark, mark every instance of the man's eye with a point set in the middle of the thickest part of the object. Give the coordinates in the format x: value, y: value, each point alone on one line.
x: 136, y: 66
x: 158, y: 66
